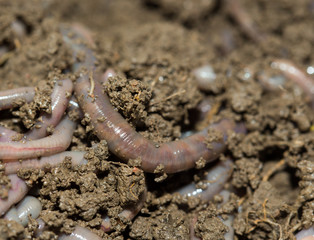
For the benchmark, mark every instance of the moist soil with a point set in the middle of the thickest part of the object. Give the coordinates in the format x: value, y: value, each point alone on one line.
x: 154, y: 46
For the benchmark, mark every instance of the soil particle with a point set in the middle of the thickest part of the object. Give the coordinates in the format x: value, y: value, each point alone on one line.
x: 171, y: 223
x: 41, y: 103
x: 10, y: 230
x: 5, y: 185
x: 129, y: 97
x: 187, y: 12
x: 83, y: 192
x: 247, y: 173
x: 35, y: 57
x: 260, y: 212
x: 172, y: 86
x: 209, y: 226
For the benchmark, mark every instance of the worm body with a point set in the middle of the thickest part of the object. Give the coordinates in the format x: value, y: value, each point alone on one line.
x: 215, y: 180
x: 59, y: 141
x: 29, y: 206
x: 9, y: 97
x: 295, y: 74
x: 126, y: 143
x: 80, y: 233
x: 77, y: 158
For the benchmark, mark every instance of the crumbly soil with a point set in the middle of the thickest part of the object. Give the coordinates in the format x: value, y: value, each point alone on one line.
x: 154, y: 46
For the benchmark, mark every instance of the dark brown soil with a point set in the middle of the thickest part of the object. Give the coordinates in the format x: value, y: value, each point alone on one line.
x: 154, y: 46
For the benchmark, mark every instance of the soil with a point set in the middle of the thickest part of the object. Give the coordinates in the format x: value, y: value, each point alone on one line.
x: 154, y: 46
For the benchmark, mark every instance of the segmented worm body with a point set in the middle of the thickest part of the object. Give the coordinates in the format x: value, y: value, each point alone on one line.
x: 29, y: 206
x: 59, y: 141
x: 126, y: 143
x: 77, y: 158
x: 9, y: 97
x: 215, y: 179
x: 80, y: 233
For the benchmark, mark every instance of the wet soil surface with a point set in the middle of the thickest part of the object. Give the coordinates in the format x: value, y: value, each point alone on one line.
x: 154, y: 46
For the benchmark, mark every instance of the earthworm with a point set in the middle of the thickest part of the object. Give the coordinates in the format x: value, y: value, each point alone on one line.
x: 295, y: 74
x: 57, y: 142
x: 16, y: 193
x: 217, y: 176
x: 59, y: 102
x: 126, y: 143
x: 80, y: 233
x: 9, y: 97
x: 248, y: 26
x: 77, y: 158
x: 28, y: 206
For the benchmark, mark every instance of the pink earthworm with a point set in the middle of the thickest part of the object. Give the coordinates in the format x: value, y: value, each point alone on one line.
x: 16, y: 193
x: 59, y: 103
x: 296, y: 75
x: 59, y: 141
x: 126, y: 143
x: 9, y: 97
x: 215, y: 180
x: 77, y: 158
